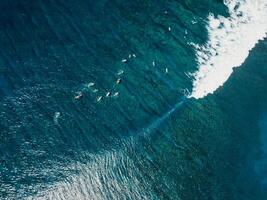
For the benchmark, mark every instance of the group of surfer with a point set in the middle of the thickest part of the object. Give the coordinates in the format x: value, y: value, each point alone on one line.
x: 80, y: 94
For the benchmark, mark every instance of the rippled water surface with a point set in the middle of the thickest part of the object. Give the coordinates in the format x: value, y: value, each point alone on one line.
x: 137, y: 99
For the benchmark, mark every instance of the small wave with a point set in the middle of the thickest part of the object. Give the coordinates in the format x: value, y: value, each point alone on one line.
x: 230, y: 40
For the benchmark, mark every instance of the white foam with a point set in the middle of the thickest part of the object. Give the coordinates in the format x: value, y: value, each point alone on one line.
x: 230, y: 40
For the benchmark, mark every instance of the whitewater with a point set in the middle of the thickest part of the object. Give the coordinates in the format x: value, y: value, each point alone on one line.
x: 230, y: 41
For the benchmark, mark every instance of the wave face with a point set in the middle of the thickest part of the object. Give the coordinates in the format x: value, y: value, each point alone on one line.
x: 230, y: 40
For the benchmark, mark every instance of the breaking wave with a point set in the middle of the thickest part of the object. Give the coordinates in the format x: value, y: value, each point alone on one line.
x: 230, y: 40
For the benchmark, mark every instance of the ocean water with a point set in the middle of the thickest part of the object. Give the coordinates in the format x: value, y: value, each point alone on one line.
x: 137, y: 100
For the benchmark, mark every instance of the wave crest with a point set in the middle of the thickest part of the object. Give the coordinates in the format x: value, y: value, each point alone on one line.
x: 230, y: 40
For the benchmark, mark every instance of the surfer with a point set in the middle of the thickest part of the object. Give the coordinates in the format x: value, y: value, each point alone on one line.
x: 78, y: 96
x: 166, y: 70
x: 99, y: 98
x: 118, y: 81
x: 120, y: 72
x: 108, y: 94
x: 91, y: 84
x: 115, y: 94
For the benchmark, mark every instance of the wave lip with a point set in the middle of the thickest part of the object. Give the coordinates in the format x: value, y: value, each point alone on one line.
x: 230, y: 40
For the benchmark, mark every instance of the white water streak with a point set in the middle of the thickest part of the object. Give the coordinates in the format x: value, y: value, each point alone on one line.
x: 230, y: 40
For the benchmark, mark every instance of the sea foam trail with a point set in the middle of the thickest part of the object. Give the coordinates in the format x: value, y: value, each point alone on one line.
x: 230, y: 40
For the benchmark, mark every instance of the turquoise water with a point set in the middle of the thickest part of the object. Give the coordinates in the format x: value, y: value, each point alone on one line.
x: 146, y: 140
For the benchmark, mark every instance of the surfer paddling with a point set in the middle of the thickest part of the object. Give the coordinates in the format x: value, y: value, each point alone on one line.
x: 78, y: 96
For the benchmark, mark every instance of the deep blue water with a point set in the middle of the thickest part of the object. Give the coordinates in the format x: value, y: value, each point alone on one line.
x: 144, y: 141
